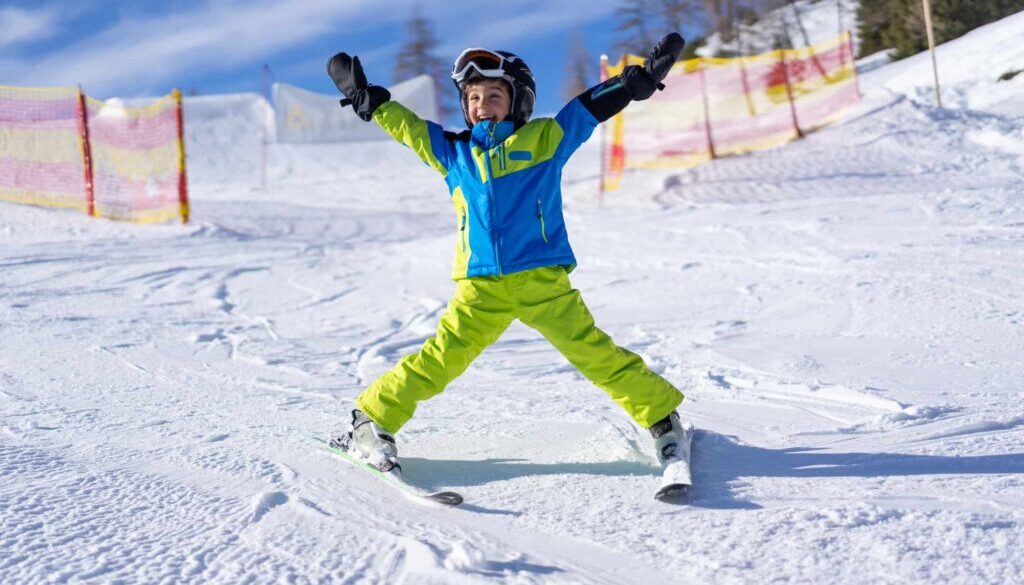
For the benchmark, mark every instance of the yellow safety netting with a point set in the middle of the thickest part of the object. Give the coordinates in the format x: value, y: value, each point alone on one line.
x: 59, y: 148
x: 713, y: 107
x: 41, y: 158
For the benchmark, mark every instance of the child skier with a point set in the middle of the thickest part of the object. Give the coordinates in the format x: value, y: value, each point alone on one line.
x: 512, y: 257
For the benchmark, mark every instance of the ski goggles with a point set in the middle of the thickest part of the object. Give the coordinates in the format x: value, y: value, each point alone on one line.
x: 485, y: 62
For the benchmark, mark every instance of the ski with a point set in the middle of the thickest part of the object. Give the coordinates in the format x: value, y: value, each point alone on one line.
x: 394, y: 479
x: 676, y: 479
x: 673, y: 493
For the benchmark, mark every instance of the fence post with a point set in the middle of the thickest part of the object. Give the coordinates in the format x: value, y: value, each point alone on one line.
x: 931, y: 49
x: 853, y: 62
x: 182, y: 178
x: 842, y: 50
x: 789, y: 94
x: 263, y: 128
x: 746, y: 88
x: 707, y: 108
x: 83, y: 133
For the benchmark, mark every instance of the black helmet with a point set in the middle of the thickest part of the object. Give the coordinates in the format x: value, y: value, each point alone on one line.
x: 487, y: 64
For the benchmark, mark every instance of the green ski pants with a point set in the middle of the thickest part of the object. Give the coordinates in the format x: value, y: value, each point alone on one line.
x: 483, y: 307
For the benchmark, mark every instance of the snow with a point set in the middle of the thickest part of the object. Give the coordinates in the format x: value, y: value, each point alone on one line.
x: 968, y: 78
x: 844, y: 315
x: 821, y: 20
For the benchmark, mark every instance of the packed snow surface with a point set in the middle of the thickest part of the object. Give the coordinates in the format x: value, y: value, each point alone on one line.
x: 844, y: 314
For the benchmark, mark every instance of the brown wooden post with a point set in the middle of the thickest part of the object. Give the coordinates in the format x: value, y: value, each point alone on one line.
x: 931, y: 48
x: 746, y: 88
x: 707, y: 109
x: 83, y: 133
x: 789, y: 93
x: 182, y: 177
x: 853, y: 63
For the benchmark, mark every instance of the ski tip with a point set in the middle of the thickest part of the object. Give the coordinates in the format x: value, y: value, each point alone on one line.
x: 675, y: 493
x: 446, y: 498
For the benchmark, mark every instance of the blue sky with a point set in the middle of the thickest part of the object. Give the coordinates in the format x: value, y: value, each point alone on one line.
x: 143, y: 48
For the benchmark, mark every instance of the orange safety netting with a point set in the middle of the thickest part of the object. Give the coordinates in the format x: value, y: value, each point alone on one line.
x: 714, y: 107
x: 60, y: 148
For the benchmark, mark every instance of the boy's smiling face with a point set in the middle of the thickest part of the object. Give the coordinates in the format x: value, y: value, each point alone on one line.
x: 487, y: 99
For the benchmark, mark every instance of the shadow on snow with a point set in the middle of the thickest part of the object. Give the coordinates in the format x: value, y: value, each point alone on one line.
x: 720, y: 462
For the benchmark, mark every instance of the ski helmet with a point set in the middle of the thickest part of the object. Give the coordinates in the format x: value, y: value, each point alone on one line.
x: 487, y: 64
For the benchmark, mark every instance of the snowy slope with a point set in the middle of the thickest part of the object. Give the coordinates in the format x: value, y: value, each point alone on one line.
x: 844, y: 315
x: 968, y: 78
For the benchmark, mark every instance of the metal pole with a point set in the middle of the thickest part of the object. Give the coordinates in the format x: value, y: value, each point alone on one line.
x: 931, y: 47
x: 263, y: 128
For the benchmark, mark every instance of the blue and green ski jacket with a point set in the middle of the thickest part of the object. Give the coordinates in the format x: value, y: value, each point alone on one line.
x: 505, y: 184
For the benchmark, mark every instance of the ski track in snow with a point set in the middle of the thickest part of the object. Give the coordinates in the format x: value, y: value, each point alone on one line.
x: 843, y: 314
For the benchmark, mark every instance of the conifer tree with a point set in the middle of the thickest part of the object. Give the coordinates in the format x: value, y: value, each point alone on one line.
x: 680, y: 15
x: 418, y: 56
x: 641, y: 23
x: 872, y: 18
x: 581, y: 70
x: 899, y: 24
x: 634, y: 27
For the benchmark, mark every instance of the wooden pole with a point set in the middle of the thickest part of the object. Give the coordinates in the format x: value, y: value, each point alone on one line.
x: 182, y: 178
x: 707, y: 110
x: 789, y: 93
x: 931, y: 47
x: 83, y: 132
x: 839, y: 11
x: 853, y: 62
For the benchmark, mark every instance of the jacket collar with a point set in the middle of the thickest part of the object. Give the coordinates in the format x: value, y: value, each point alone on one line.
x: 487, y: 134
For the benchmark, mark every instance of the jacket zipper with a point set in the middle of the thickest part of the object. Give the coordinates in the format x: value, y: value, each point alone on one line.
x: 494, y: 213
x: 540, y: 216
x: 462, y: 230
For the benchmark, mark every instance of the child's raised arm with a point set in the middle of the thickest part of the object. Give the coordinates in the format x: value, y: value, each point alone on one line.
x: 635, y: 82
x: 373, y: 102
x: 581, y: 115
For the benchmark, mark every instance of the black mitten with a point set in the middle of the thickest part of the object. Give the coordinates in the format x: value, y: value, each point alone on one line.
x: 347, y: 74
x: 638, y: 83
x: 664, y: 56
x: 641, y: 82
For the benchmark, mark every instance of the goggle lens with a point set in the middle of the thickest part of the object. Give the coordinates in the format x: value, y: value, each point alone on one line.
x: 486, y: 63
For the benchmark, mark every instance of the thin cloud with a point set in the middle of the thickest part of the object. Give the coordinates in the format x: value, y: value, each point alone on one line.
x: 376, y: 62
x: 19, y: 26
x: 146, y: 52
x: 518, y: 21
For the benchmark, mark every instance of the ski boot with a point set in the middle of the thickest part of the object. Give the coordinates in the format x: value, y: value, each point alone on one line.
x: 367, y: 441
x: 672, y: 441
